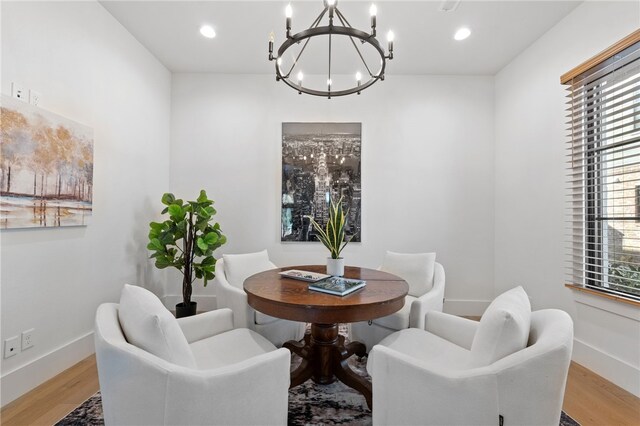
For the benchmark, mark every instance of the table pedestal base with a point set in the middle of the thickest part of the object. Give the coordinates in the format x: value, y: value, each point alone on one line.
x: 324, y: 359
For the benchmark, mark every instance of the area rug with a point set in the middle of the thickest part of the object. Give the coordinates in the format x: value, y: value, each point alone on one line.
x: 309, y: 404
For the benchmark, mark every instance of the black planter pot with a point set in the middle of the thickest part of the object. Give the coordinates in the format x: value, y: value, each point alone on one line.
x: 186, y: 311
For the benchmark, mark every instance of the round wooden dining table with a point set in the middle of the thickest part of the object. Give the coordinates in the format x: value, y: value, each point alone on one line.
x: 323, y: 351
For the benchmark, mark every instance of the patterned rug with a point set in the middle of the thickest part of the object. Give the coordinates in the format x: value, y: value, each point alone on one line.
x: 309, y: 404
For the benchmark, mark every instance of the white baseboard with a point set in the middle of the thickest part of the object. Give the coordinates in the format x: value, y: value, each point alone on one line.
x: 206, y: 302
x: 473, y: 308
x: 21, y: 380
x: 611, y: 368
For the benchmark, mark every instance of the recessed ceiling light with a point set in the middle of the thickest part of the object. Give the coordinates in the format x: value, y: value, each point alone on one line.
x: 207, y: 31
x: 462, y: 33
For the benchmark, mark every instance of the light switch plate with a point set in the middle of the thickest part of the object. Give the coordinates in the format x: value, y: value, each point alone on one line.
x: 11, y: 347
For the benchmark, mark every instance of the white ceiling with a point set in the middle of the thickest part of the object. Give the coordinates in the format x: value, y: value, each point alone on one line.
x: 424, y: 35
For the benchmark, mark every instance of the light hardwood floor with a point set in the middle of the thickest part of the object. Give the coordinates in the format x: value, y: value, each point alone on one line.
x: 589, y: 398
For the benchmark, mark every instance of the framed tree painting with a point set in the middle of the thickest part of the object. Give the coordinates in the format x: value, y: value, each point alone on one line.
x: 320, y: 162
x: 46, y: 168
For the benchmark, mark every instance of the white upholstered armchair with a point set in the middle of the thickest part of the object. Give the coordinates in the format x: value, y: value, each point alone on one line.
x: 231, y: 271
x: 461, y: 372
x: 426, y: 281
x: 203, y: 372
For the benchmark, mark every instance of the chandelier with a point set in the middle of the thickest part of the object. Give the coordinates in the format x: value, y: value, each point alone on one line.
x: 341, y: 28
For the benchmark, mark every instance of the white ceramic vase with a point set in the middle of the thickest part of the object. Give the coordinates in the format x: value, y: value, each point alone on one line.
x: 335, y: 267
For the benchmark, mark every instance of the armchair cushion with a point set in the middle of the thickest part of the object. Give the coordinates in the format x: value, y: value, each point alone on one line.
x: 503, y: 328
x: 415, y: 268
x: 239, y: 267
x: 147, y: 324
x: 428, y: 348
x: 398, y: 320
x: 229, y: 348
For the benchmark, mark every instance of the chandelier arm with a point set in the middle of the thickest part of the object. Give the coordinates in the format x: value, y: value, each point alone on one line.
x: 313, y: 25
x: 295, y: 62
x: 329, y: 77
x: 318, y: 19
x: 343, y: 18
x: 340, y: 17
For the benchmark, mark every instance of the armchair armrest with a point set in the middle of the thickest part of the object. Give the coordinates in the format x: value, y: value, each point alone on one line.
x: 406, y: 391
x: 205, y: 325
x: 458, y: 330
x: 433, y: 300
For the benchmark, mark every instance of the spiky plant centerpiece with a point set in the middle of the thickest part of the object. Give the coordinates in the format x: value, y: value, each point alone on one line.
x: 186, y: 241
x: 333, y: 236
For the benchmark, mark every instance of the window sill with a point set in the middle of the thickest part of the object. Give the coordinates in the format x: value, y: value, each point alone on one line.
x: 603, y: 294
x: 607, y: 302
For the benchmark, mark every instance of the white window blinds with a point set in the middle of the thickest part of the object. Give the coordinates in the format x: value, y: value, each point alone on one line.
x: 604, y: 175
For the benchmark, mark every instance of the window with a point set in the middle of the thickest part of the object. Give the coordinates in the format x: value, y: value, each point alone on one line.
x: 604, y: 172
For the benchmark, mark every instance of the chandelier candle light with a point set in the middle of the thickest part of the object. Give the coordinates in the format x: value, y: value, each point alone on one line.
x: 343, y: 29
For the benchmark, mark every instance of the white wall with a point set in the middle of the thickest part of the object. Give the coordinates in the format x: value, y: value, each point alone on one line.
x: 427, y: 167
x: 530, y: 186
x: 89, y: 69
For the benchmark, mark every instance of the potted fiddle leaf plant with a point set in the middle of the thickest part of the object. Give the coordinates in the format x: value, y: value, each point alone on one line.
x: 333, y: 237
x: 186, y: 241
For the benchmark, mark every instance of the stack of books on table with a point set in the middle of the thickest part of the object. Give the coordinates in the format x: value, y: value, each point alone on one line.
x: 337, y: 286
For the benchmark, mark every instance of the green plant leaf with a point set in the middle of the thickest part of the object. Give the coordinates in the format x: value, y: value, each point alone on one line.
x: 209, y: 260
x: 162, y: 262
x: 182, y: 226
x: 202, y: 225
x: 203, y: 196
x: 176, y: 211
x: 156, y: 226
x: 202, y: 245
x: 168, y: 199
x: 211, y: 238
x: 155, y: 244
x: 166, y: 238
x: 203, y: 214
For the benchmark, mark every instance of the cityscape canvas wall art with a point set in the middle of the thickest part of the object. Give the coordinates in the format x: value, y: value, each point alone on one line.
x: 320, y: 162
x: 46, y: 168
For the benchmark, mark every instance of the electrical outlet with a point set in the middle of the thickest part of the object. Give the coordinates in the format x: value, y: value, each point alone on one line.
x: 11, y: 347
x: 34, y: 97
x: 27, y: 338
x: 18, y: 91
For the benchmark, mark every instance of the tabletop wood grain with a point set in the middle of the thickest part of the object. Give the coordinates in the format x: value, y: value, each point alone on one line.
x: 282, y: 297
